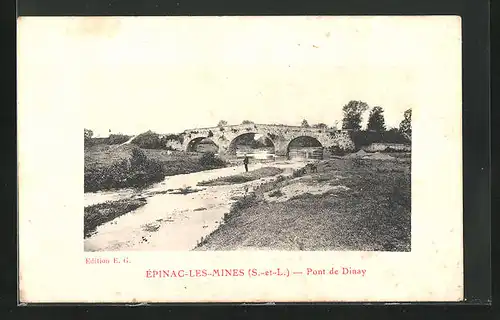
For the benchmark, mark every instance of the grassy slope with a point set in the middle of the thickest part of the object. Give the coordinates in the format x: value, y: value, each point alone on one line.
x: 104, y: 156
x: 101, y: 213
x: 175, y: 162
x: 374, y: 215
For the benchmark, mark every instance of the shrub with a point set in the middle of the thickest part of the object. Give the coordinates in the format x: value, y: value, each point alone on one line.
x: 209, y: 160
x: 280, y: 178
x: 276, y: 193
x: 304, y: 196
x: 245, y: 202
x: 394, y: 136
x: 298, y: 173
x: 365, y: 138
x: 342, y: 143
x: 139, y: 171
x: 138, y: 158
x: 338, y: 151
x: 174, y: 137
x: 87, y: 137
x: 148, y: 140
x: 396, y: 150
x: 172, y: 141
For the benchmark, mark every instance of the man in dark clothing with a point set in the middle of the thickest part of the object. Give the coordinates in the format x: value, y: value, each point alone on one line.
x: 245, y: 162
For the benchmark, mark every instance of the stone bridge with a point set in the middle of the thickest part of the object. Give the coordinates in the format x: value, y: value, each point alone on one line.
x: 280, y: 135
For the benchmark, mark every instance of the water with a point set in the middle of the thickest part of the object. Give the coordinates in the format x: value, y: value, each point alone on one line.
x: 306, y: 153
x: 256, y: 154
x: 172, y: 221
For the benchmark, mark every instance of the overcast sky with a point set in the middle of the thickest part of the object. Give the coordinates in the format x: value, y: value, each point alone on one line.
x: 170, y: 74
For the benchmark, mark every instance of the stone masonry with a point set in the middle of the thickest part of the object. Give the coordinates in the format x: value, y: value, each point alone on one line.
x: 280, y: 135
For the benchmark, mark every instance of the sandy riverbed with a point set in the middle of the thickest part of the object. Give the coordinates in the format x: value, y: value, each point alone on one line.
x: 172, y: 221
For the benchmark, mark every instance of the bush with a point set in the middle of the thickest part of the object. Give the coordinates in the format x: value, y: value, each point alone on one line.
x: 172, y: 137
x: 139, y: 171
x: 343, y: 143
x: 138, y: 158
x: 87, y: 137
x: 298, y: 173
x: 337, y: 150
x: 394, y: 136
x: 280, y: 178
x: 276, y: 193
x: 245, y: 202
x: 365, y: 138
x: 209, y: 160
x: 148, y: 140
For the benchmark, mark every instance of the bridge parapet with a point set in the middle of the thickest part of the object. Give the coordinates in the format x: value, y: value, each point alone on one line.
x: 280, y: 135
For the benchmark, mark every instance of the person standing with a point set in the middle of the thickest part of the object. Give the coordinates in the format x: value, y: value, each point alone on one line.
x: 245, y: 162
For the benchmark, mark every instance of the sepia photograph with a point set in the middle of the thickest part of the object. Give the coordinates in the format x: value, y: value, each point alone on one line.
x: 276, y: 145
x: 224, y: 159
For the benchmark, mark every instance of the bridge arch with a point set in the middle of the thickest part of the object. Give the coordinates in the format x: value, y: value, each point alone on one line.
x: 263, y: 140
x: 305, y: 146
x: 194, y: 143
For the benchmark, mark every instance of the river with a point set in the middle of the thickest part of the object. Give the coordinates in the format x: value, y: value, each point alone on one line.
x: 173, y: 221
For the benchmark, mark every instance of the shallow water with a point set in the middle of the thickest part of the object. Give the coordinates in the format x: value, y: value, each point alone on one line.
x: 172, y: 221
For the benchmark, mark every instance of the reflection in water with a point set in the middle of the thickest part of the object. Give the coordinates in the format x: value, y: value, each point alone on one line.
x: 259, y: 154
x: 306, y: 153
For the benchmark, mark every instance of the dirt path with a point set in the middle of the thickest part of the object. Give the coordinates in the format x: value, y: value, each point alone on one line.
x: 173, y: 221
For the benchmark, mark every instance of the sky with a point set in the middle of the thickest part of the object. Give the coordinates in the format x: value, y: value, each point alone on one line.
x: 130, y: 75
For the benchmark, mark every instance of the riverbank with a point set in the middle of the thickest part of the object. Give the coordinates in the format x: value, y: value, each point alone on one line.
x: 361, y: 202
x: 357, y: 202
x: 178, y: 213
x: 109, y: 167
x: 101, y: 213
x: 243, y: 177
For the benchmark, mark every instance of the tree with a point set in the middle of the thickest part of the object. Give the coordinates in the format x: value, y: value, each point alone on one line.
x: 247, y: 122
x: 353, y: 112
x: 376, y: 120
x: 148, y: 140
x: 393, y: 135
x: 88, y: 134
x: 87, y: 137
x: 335, y: 125
x: 222, y: 123
x: 405, y: 125
x: 305, y: 124
x: 320, y: 126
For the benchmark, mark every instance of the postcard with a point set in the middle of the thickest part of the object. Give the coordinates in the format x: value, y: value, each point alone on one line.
x: 240, y: 159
